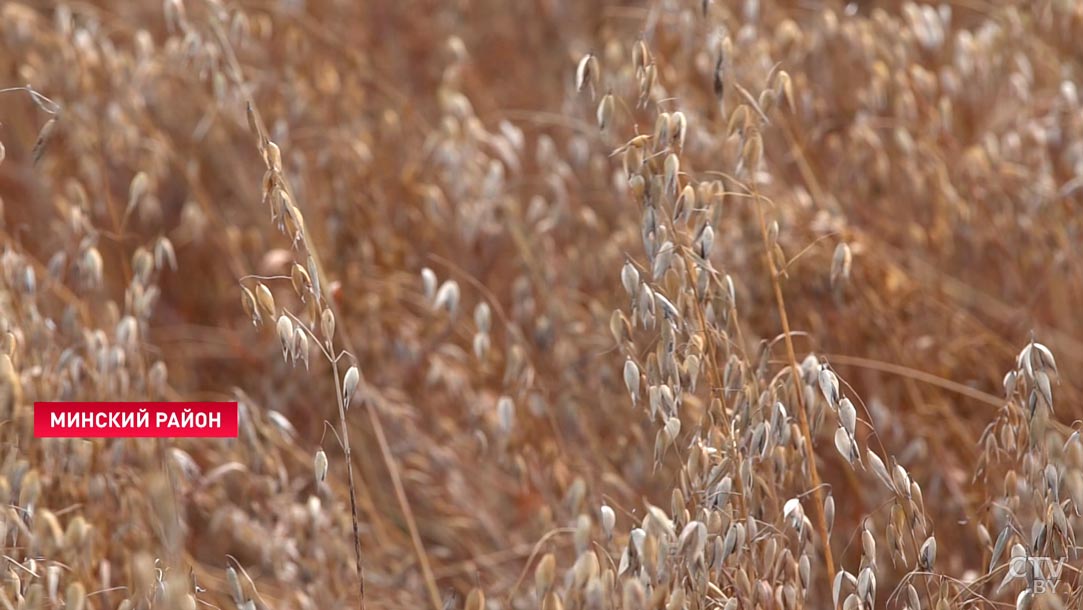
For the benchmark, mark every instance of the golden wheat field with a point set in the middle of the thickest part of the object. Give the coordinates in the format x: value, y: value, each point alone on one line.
x: 545, y: 304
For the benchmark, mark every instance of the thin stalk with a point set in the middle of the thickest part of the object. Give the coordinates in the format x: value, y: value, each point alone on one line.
x: 404, y: 503
x: 235, y: 65
x: 802, y: 414
x: 349, y: 477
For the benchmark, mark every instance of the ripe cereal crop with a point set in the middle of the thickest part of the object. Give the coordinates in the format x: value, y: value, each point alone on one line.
x: 545, y: 305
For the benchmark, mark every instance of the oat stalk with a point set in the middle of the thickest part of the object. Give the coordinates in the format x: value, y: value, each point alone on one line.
x: 353, y: 488
x: 795, y: 371
x: 308, y: 247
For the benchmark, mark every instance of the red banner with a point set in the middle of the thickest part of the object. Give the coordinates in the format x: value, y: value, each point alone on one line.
x: 135, y: 419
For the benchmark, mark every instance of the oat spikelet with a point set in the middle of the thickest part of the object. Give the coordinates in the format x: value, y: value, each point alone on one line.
x: 587, y: 73
x: 840, y: 265
x: 605, y: 111
x: 544, y: 574
x: 319, y: 464
x: 44, y: 136
x: 349, y: 385
x: 285, y: 335
x: 266, y: 301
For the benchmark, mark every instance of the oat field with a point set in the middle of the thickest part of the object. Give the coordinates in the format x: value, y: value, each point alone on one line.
x: 546, y: 304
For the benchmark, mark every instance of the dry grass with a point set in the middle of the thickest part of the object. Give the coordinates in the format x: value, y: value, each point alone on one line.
x: 545, y: 304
